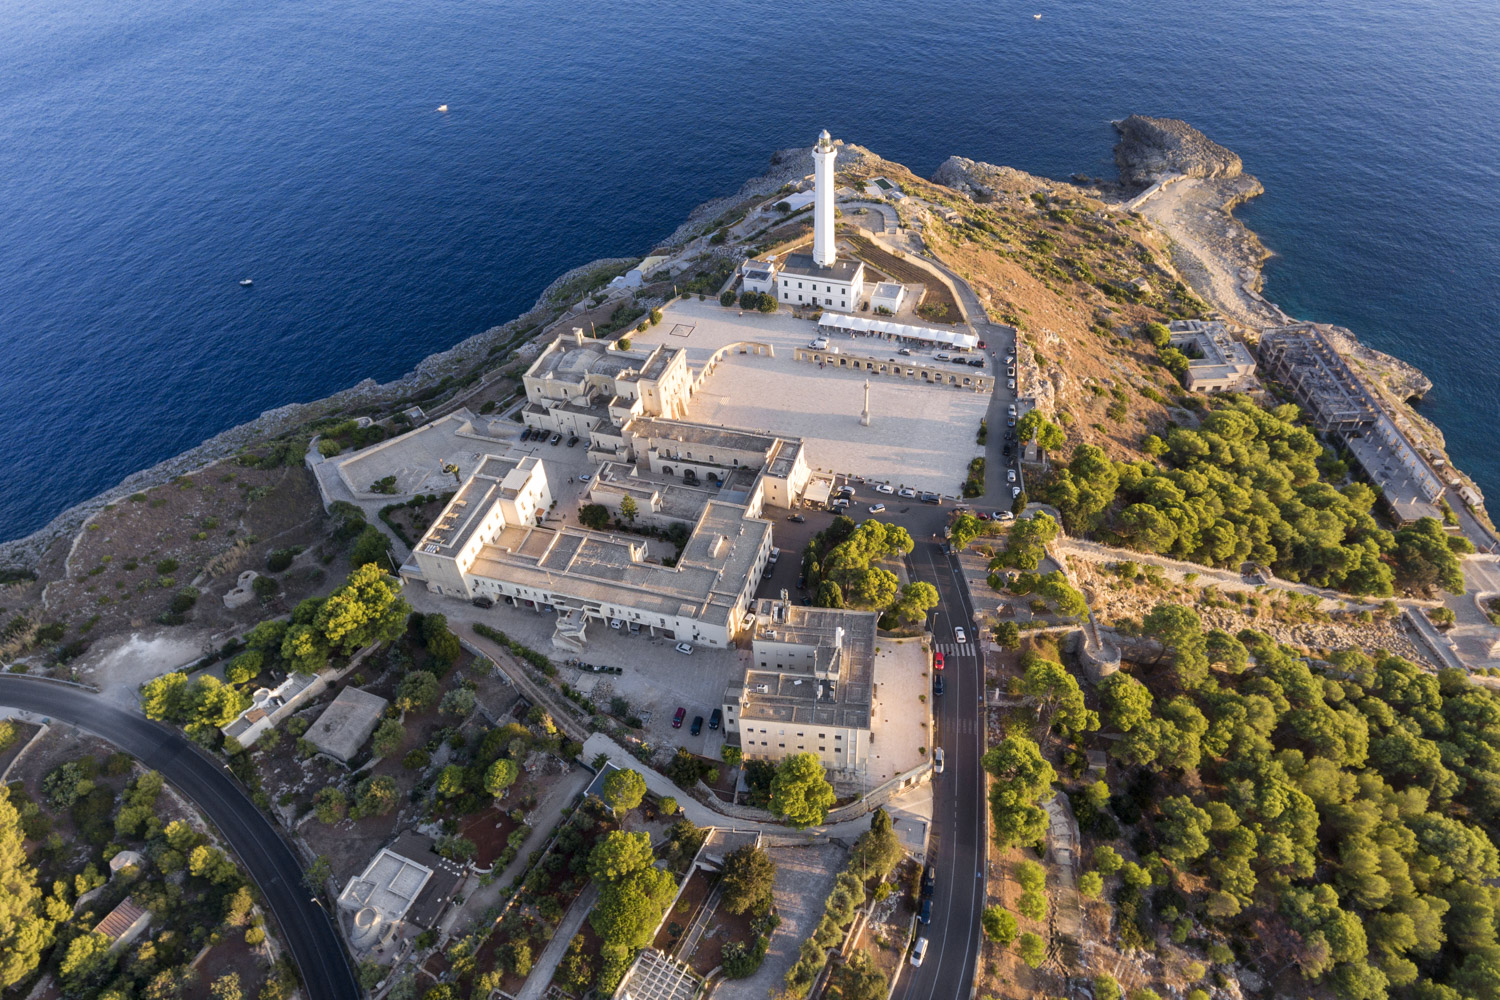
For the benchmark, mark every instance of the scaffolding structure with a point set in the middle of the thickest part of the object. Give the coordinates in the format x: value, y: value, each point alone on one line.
x: 1302, y: 358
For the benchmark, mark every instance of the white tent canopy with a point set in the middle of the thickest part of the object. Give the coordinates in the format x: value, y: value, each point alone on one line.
x: 861, y: 324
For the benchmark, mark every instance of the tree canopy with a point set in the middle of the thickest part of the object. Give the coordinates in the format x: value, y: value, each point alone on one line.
x: 749, y: 875
x: 1245, y: 486
x: 800, y: 792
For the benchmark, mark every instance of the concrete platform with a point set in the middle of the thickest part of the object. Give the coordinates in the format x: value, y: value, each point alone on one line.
x: 921, y: 436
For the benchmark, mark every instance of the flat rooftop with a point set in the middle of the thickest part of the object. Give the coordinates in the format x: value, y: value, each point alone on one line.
x: 609, y: 569
x: 389, y: 885
x: 707, y: 435
x: 802, y: 265
x: 799, y: 696
x: 473, y: 500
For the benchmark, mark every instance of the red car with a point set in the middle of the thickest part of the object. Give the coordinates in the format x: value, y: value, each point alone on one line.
x: 982, y: 516
x: 937, y: 661
x: 677, y: 719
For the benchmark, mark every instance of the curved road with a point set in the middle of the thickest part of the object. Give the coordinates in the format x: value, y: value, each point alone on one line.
x: 273, y: 865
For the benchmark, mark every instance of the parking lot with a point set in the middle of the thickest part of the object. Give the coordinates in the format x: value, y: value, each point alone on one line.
x: 655, y: 679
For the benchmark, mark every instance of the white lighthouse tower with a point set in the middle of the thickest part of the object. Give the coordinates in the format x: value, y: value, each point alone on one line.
x: 819, y: 280
x: 823, y: 242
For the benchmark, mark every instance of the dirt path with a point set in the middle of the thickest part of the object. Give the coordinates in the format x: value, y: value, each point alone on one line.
x: 1215, y: 252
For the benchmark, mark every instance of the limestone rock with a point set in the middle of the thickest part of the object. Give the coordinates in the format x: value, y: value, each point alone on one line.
x: 1151, y: 148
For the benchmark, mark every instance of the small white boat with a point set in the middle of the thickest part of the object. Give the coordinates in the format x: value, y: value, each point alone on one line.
x: 442, y: 107
x: 246, y: 282
x: 1036, y: 17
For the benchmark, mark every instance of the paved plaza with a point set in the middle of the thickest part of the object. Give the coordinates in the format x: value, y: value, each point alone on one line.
x: 921, y: 436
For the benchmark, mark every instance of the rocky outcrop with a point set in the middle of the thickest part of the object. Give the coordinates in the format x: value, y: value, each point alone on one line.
x: 985, y: 182
x: 1152, y: 148
x: 1404, y: 381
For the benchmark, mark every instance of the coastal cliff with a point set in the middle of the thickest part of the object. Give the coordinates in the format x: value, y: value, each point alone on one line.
x: 1151, y: 149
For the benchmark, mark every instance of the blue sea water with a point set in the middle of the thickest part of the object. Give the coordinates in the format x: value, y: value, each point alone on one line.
x: 154, y: 153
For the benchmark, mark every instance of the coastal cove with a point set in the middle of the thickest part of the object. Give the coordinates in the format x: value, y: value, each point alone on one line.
x: 379, y: 232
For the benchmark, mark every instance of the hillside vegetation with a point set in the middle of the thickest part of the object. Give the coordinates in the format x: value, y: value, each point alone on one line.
x: 1248, y: 484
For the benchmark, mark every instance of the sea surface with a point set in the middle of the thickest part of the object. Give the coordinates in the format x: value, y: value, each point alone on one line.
x: 154, y: 153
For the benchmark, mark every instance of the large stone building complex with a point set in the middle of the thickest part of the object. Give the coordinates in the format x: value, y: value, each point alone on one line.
x: 809, y: 686
x: 496, y: 541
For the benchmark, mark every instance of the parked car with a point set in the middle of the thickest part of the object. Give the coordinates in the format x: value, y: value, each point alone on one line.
x: 925, y: 915
x: 697, y: 726
x: 908, y: 493
x: 1010, y: 475
x: 977, y: 363
x: 616, y: 624
x: 883, y: 488
x: 1011, y: 371
x: 796, y: 518
x: 685, y: 648
x: 585, y: 477
x: 1004, y: 515
x: 1006, y: 449
x: 1010, y: 359
x: 572, y: 440
x: 1010, y: 383
x: 1012, y: 409
x: 959, y: 635
x: 877, y: 508
x: 937, y: 661
x: 918, y: 953
x: 929, y: 881
x: 484, y: 602
x: 556, y: 438
x: 677, y: 718
x: 937, y: 760
x: 526, y: 434
x: 937, y: 684
x: 906, y: 351
x: 714, y: 718
x: 982, y: 516
x: 944, y: 357
x: 1015, y: 491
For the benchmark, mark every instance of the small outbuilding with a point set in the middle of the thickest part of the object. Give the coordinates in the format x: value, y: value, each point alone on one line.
x: 888, y: 295
x: 345, y: 724
x: 123, y: 924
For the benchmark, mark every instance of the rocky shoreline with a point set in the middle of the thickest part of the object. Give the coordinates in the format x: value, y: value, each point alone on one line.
x: 1197, y: 182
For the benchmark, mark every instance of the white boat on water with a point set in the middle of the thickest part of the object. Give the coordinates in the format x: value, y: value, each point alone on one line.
x: 246, y: 282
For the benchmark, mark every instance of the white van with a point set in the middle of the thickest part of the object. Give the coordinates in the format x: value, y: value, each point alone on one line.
x: 918, y: 953
x: 820, y: 344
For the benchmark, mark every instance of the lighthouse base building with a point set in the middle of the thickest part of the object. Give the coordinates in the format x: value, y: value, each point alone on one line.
x: 820, y: 278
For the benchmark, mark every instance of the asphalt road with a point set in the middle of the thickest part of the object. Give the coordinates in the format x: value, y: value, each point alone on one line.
x: 306, y: 927
x: 947, y: 972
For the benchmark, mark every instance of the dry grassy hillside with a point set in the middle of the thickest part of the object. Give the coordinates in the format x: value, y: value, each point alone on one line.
x: 1075, y: 278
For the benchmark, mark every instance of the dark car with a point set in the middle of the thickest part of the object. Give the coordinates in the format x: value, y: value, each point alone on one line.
x: 677, y: 719
x: 697, y: 726
x: 714, y: 718
x: 929, y: 881
x: 796, y: 518
x: 572, y: 440
x: 931, y: 498
x: 977, y: 363
x: 926, y: 915
x: 526, y: 434
x: 484, y: 602
x: 937, y: 684
x: 802, y: 582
